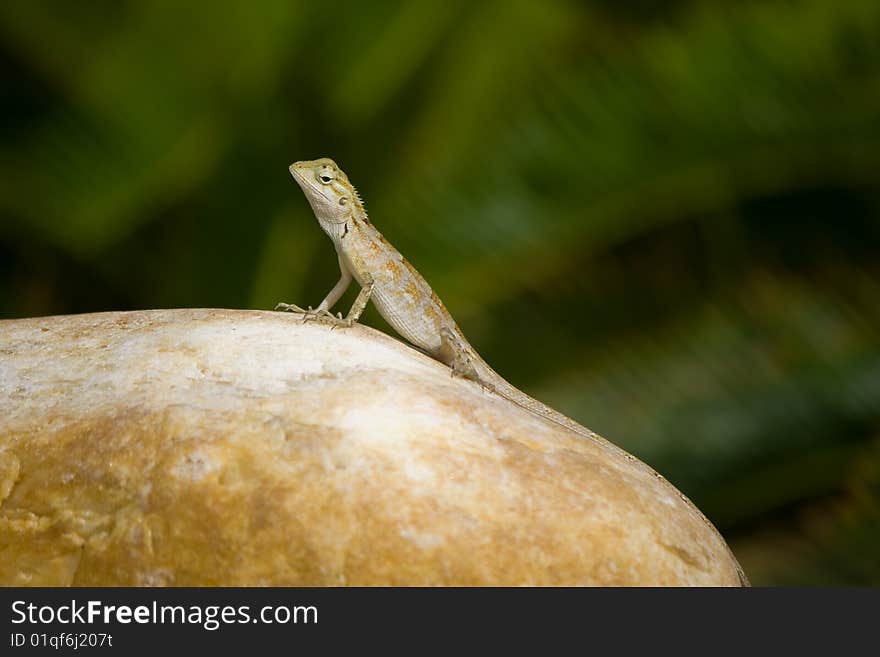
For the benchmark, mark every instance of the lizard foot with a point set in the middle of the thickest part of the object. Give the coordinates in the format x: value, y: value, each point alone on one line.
x: 338, y: 320
x: 292, y: 308
x: 315, y: 314
x: 456, y: 371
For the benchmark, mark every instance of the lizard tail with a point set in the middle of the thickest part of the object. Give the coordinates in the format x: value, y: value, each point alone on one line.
x: 486, y: 376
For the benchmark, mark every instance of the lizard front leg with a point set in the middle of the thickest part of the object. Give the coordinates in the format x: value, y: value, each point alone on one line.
x: 323, y: 309
x: 361, y: 301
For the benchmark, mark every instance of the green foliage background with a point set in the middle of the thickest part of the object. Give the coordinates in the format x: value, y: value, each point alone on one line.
x: 662, y: 219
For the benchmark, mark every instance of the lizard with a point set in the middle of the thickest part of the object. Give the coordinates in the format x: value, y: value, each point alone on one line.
x: 404, y: 298
x: 400, y: 293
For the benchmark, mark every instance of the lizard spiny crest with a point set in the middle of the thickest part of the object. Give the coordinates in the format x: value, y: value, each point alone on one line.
x: 359, y: 203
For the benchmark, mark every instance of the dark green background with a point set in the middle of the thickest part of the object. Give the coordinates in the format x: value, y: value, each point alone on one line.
x: 661, y: 218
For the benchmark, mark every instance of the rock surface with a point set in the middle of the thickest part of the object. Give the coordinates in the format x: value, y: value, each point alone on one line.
x: 223, y: 447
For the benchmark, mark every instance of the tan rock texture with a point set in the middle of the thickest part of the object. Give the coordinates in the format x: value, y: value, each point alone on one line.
x: 228, y: 447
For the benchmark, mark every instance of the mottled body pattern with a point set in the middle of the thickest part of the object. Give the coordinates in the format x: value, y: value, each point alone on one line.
x: 400, y: 293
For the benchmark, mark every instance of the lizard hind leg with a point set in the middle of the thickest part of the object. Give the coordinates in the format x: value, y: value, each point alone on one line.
x: 456, y: 353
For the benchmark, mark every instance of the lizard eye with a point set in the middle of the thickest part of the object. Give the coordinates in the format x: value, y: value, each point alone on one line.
x: 325, y: 178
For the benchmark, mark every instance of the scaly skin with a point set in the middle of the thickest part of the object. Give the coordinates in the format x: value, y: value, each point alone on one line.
x: 400, y: 293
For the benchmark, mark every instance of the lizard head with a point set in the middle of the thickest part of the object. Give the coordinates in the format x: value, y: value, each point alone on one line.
x: 332, y: 197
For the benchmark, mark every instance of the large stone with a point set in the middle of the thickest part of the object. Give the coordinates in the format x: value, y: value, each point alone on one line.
x: 202, y: 447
